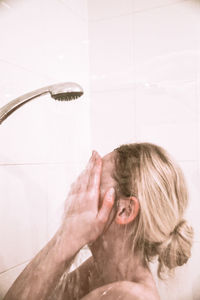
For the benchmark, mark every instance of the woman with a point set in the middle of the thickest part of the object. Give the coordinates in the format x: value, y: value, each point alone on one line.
x: 128, y: 208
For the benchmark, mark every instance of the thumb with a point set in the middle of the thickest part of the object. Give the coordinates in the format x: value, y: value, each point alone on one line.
x: 107, y: 205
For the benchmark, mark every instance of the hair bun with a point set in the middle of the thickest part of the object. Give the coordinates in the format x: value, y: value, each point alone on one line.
x: 176, y: 250
x: 179, y: 229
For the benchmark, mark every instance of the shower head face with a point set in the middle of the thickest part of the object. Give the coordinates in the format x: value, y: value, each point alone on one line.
x: 66, y: 91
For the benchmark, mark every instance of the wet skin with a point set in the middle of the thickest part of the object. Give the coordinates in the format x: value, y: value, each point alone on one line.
x: 112, y: 272
x: 112, y: 267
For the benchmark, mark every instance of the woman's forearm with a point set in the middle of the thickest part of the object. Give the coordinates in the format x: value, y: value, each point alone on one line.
x: 83, y: 223
x: 39, y: 278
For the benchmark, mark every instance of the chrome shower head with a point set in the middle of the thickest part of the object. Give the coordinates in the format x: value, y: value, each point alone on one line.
x: 62, y: 91
x: 66, y: 91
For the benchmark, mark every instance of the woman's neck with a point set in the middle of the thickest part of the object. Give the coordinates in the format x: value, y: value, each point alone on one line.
x: 117, y: 264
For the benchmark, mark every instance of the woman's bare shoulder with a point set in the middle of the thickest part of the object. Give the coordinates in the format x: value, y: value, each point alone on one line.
x: 127, y: 290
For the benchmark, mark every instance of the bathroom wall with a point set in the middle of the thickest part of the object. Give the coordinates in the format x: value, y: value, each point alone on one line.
x: 145, y: 86
x: 45, y: 143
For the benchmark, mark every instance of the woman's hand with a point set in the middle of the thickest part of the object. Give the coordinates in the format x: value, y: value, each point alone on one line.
x: 82, y: 224
x: 86, y: 221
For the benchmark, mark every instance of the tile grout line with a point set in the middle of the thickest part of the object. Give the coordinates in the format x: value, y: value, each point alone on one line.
x: 11, y: 268
x: 39, y: 164
x: 60, y: 164
x: 141, y: 85
x: 137, y: 11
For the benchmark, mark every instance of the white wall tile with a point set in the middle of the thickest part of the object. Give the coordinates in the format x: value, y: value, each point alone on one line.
x: 42, y: 43
x: 107, y: 9
x: 23, y: 213
x: 165, y: 41
x: 78, y: 7
x: 59, y: 180
x: 7, y: 278
x: 162, y: 68
x: 110, y: 52
x: 113, y: 119
x: 198, y: 109
x: 192, y: 176
x: 179, y: 139
x: 53, y: 49
x: 48, y: 45
x: 16, y: 81
x: 157, y: 104
x: 139, y: 5
x: 45, y: 130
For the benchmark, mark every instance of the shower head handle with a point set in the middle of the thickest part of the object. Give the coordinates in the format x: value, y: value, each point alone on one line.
x: 65, y: 91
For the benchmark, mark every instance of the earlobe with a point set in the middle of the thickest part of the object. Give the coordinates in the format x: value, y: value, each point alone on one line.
x: 128, y: 210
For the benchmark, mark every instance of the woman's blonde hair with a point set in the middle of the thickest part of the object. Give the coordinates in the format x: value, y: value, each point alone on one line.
x: 147, y: 172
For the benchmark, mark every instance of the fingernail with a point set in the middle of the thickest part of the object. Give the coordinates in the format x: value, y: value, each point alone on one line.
x: 111, y: 192
x: 91, y: 157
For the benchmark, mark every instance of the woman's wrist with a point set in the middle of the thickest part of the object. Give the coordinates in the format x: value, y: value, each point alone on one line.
x: 68, y: 241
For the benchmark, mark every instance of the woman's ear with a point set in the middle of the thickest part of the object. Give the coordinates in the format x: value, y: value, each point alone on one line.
x: 127, y: 211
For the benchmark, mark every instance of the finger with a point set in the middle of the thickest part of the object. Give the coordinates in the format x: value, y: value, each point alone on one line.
x: 81, y: 182
x: 84, y: 178
x: 95, y: 174
x: 107, y: 206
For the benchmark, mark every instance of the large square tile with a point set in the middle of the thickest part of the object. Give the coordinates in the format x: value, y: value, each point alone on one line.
x: 113, y: 119
x: 110, y: 52
x: 198, y: 101
x: 108, y: 9
x: 175, y: 104
x: 180, y: 140
x: 55, y: 53
x: 43, y: 130
x: 192, y: 175
x: 17, y: 81
x: 46, y: 130
x: 59, y: 180
x: 165, y: 42
x: 78, y: 7
x: 140, y: 5
x: 23, y: 213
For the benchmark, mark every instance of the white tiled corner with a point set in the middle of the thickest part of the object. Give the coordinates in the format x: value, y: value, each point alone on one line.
x: 23, y: 213
x: 110, y: 52
x: 7, y: 278
x: 113, y: 119
x: 108, y: 9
